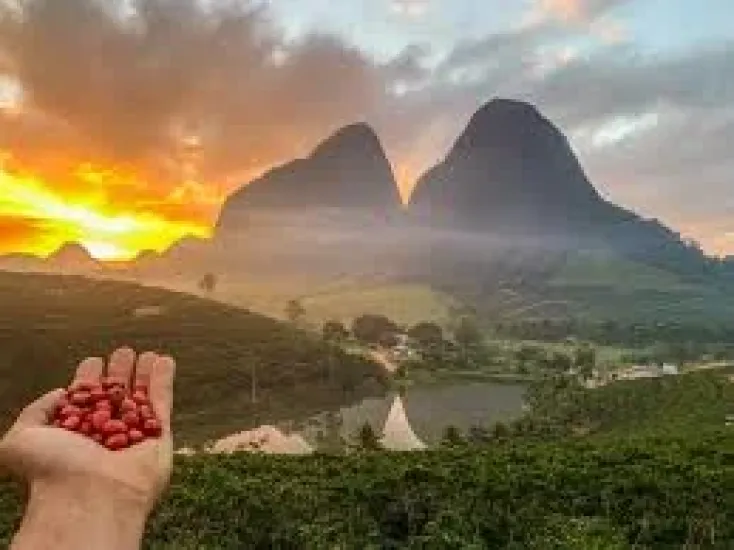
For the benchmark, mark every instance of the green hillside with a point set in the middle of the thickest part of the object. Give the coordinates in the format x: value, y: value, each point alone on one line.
x: 602, y: 286
x: 687, y: 404
x: 48, y: 323
x: 604, y: 270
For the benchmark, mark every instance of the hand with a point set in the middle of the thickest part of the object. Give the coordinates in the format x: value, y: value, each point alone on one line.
x: 73, y: 474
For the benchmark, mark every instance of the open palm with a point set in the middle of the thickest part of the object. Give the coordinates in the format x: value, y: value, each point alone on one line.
x: 36, y: 450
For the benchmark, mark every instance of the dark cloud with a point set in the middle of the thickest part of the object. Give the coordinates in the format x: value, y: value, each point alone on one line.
x: 125, y: 82
x: 621, y: 81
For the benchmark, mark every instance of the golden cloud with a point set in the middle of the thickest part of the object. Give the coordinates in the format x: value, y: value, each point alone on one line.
x: 39, y: 212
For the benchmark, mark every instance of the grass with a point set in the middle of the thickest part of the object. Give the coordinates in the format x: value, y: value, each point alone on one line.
x: 48, y: 323
x: 342, y: 299
x: 587, y: 286
x: 600, y: 270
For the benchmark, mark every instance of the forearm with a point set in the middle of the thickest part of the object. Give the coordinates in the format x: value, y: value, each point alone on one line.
x: 80, y: 516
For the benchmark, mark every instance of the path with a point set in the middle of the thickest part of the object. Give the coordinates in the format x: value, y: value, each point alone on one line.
x: 384, y: 360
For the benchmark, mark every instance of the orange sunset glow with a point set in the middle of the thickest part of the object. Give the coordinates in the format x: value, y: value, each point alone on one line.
x: 113, y: 214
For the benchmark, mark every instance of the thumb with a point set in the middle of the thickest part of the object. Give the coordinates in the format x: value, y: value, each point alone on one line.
x: 39, y: 412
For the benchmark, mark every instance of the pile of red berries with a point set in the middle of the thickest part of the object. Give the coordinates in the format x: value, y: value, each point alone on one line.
x: 108, y: 413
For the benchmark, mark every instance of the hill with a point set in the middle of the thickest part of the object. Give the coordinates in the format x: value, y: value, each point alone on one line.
x: 49, y: 322
x: 687, y: 404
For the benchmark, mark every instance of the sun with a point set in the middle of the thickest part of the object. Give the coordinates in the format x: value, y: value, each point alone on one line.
x: 83, y: 206
x: 105, y: 251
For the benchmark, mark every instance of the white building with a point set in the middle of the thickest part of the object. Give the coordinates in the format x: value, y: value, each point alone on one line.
x: 670, y: 370
x: 639, y: 372
x: 398, y: 435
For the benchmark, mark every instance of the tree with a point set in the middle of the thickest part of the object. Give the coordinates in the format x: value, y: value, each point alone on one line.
x: 294, y: 311
x: 329, y: 439
x: 372, y: 329
x: 208, y: 283
x: 427, y: 334
x: 467, y: 335
x: 452, y: 437
x: 389, y: 339
x: 500, y: 431
x: 253, y: 381
x: 479, y: 435
x: 367, y: 439
x: 334, y: 331
x: 559, y: 362
x: 585, y: 360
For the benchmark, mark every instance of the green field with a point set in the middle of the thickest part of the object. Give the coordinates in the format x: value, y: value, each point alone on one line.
x: 406, y: 304
x: 48, y: 323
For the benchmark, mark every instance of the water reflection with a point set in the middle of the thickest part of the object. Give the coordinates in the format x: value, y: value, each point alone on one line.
x: 421, y: 415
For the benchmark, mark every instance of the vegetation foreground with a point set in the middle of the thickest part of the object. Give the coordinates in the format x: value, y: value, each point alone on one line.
x: 645, y: 464
x: 663, y: 482
x: 667, y: 493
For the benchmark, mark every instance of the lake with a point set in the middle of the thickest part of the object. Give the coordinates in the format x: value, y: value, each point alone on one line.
x: 429, y: 409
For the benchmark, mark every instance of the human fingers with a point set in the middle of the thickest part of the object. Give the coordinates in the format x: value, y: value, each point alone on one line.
x: 161, y: 388
x: 144, y: 368
x: 89, y: 371
x: 39, y: 412
x: 121, y: 365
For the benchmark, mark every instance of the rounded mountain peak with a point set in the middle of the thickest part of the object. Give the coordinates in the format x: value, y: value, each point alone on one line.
x: 354, y: 137
x: 502, y: 122
x: 349, y: 169
x: 500, y: 106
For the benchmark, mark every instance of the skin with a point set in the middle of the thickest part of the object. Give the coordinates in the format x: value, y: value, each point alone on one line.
x: 81, y: 495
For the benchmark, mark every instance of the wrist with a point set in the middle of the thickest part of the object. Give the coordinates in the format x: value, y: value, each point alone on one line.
x: 82, y: 514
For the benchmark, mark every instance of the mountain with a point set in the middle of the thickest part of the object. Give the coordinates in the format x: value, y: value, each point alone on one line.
x: 335, y: 212
x: 505, y: 222
x: 511, y: 170
x: 513, y: 173
x: 70, y: 258
x: 349, y: 171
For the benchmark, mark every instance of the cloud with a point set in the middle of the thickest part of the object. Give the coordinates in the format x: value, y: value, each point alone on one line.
x: 653, y: 131
x: 19, y: 233
x: 573, y: 11
x: 126, y: 86
x: 122, y: 88
x: 410, y: 8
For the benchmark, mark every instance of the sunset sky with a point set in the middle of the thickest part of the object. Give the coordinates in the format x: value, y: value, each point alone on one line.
x: 125, y: 131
